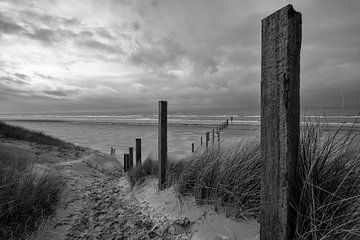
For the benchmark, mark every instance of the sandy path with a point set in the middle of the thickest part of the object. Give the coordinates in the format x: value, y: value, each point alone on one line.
x: 97, y: 203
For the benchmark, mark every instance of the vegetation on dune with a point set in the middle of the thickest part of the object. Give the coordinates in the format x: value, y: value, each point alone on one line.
x: 328, y: 181
x: 26, y: 198
x: 19, y: 133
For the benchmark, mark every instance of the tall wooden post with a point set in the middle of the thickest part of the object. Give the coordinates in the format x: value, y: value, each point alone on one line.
x: 280, y: 120
x: 201, y: 141
x: 131, y: 157
x: 125, y: 163
x: 162, y: 143
x: 218, y: 134
x: 213, y: 136
x: 207, y: 140
x: 192, y: 147
x: 138, y: 151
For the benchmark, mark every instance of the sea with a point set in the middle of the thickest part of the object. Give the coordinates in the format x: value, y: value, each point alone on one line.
x: 101, y: 130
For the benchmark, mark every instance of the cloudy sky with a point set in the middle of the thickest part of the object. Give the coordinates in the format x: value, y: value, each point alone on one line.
x: 75, y: 55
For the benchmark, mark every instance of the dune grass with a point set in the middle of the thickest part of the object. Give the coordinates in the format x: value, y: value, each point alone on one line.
x: 328, y: 181
x: 26, y: 198
x: 19, y: 133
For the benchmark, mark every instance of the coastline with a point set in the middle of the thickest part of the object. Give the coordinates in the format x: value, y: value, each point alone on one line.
x: 99, y: 203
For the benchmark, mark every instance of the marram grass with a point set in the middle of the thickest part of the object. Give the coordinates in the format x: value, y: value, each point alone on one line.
x: 328, y: 183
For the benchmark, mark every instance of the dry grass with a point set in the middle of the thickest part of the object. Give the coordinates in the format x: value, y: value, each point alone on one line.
x: 328, y: 183
x: 329, y: 179
x: 19, y: 133
x: 25, y: 198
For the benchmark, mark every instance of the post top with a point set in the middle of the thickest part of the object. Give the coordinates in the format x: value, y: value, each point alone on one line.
x: 288, y: 9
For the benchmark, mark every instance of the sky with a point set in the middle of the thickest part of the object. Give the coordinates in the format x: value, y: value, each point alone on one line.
x: 125, y: 55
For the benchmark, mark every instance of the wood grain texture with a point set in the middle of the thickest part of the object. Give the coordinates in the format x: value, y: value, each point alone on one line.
x: 162, y: 143
x: 280, y: 120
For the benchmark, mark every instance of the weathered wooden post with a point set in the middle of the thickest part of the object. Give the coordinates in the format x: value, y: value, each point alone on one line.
x: 218, y: 134
x: 213, y: 136
x: 138, y: 151
x: 201, y: 141
x: 192, y: 147
x: 125, y: 163
x: 231, y: 119
x: 162, y: 143
x: 131, y: 157
x: 280, y: 120
x: 207, y: 139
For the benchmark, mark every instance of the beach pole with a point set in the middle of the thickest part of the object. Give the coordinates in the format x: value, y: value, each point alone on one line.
x: 131, y: 157
x: 280, y: 122
x: 125, y: 164
x: 231, y: 119
x: 192, y: 147
x: 207, y: 140
x: 162, y: 143
x: 218, y: 134
x: 213, y: 136
x: 201, y: 141
x: 138, y: 151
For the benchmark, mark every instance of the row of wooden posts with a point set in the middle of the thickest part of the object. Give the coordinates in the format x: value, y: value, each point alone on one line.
x: 129, y: 157
x: 216, y: 130
x: 280, y: 124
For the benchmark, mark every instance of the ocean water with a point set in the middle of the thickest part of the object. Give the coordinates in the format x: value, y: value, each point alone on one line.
x: 103, y: 130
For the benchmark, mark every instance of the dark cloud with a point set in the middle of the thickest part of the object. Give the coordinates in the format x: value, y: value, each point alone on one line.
x: 7, y: 26
x: 59, y: 93
x: 99, y: 46
x: 104, y: 33
x: 44, y: 35
x: 163, y: 52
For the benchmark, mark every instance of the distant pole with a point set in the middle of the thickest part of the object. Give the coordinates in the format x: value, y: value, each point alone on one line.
x: 138, y: 151
x: 162, y: 143
x: 217, y: 130
x: 213, y: 136
x: 201, y: 141
x: 280, y: 122
x: 192, y: 147
x: 231, y: 119
x: 131, y: 157
x: 218, y: 138
x: 207, y: 140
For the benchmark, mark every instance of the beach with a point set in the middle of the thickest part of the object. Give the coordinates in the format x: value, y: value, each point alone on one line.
x: 101, y: 131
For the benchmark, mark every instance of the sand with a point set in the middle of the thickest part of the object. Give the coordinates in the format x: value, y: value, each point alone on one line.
x: 97, y: 202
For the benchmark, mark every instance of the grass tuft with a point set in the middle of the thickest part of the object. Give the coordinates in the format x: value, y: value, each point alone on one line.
x: 19, y: 133
x: 25, y: 198
x: 328, y: 183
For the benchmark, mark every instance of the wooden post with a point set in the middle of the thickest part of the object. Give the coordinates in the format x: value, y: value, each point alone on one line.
x: 111, y: 151
x: 131, y: 157
x: 192, y: 147
x: 280, y: 120
x: 213, y: 136
x: 201, y: 141
x: 125, y: 163
x: 207, y: 140
x: 162, y: 143
x: 218, y: 139
x: 231, y: 119
x: 138, y: 151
